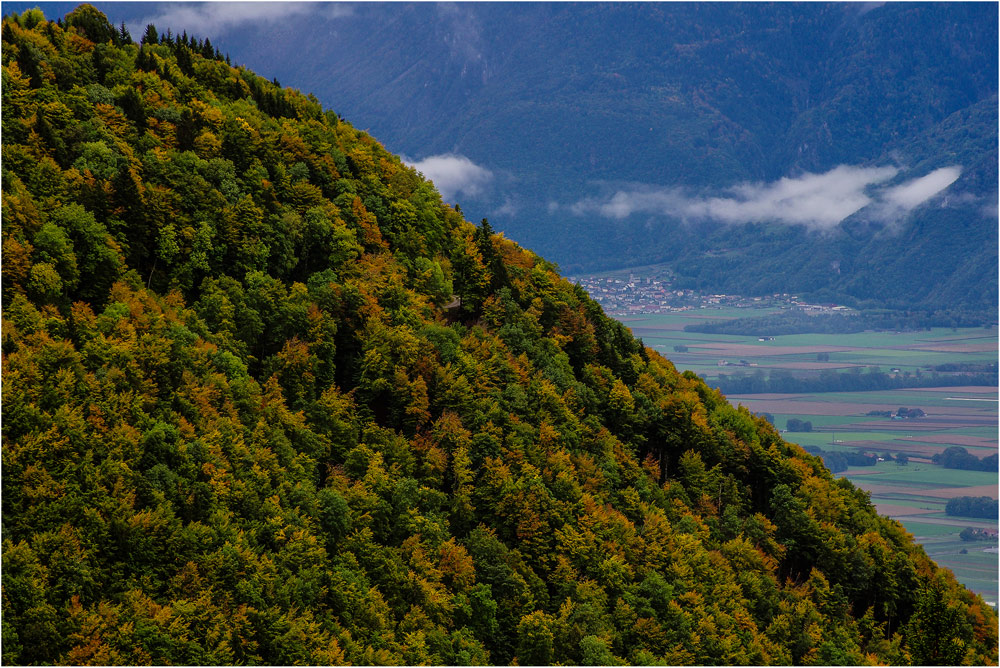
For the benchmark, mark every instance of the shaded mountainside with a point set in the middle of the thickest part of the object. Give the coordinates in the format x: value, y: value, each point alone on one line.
x: 245, y: 422
x: 569, y: 103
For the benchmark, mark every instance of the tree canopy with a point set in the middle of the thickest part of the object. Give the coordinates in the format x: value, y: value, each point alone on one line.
x: 247, y: 421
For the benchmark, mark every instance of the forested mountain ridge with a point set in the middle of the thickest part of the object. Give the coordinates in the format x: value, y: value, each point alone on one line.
x: 245, y: 422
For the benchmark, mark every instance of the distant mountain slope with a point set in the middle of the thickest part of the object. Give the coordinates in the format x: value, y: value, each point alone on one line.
x: 571, y: 103
x: 267, y: 399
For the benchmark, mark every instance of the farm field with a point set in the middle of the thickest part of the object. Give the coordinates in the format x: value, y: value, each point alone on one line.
x: 915, y: 493
x: 907, y: 351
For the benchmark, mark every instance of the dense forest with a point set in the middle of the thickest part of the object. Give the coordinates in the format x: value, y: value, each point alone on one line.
x: 268, y: 400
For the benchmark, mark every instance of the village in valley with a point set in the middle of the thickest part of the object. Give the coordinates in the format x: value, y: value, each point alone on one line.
x: 631, y: 292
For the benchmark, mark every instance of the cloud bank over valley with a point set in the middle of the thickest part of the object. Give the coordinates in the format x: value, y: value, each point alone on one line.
x: 453, y: 174
x: 913, y: 193
x: 211, y: 19
x: 817, y: 201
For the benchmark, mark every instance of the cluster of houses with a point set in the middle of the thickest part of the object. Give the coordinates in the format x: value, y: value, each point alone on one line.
x: 634, y: 294
x: 740, y: 363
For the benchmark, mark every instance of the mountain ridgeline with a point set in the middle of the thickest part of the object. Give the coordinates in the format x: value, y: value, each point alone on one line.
x: 247, y: 421
x: 571, y: 105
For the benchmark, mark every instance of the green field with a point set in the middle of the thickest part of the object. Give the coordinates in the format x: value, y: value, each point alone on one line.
x: 844, y: 425
x: 929, y: 476
x: 984, y: 432
x: 908, y: 396
x: 834, y: 437
x: 885, y: 339
x: 925, y: 532
x: 887, y: 350
x: 925, y: 503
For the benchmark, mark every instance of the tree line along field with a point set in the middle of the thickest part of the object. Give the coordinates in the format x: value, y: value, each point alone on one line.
x: 798, y: 353
x: 915, y: 494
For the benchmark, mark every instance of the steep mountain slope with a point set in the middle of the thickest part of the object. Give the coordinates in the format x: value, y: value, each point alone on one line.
x: 572, y: 103
x: 245, y: 421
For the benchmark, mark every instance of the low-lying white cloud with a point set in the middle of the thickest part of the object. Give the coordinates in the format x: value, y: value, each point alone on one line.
x: 818, y: 201
x: 814, y: 200
x: 453, y: 174
x: 209, y: 19
x: 913, y: 193
x: 624, y: 203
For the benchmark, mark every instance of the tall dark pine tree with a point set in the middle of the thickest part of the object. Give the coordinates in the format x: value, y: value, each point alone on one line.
x: 150, y: 36
x: 492, y: 260
x: 124, y: 36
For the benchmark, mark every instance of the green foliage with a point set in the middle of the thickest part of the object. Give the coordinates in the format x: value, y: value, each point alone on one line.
x: 939, y: 631
x: 957, y: 457
x: 972, y: 506
x: 794, y: 424
x: 244, y: 423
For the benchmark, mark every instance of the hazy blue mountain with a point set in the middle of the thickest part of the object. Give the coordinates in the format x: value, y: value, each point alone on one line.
x: 610, y: 135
